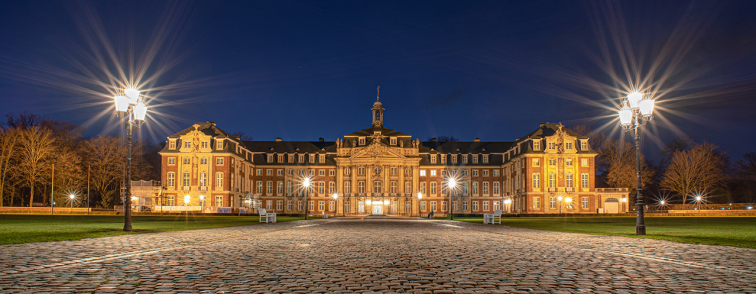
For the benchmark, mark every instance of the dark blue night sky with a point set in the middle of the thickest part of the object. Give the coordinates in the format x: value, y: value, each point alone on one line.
x: 302, y: 70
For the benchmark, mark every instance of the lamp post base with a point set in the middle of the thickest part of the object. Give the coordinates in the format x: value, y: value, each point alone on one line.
x: 640, y: 230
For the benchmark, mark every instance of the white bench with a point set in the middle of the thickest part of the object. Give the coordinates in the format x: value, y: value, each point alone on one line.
x: 325, y: 215
x: 492, y: 218
x: 269, y: 216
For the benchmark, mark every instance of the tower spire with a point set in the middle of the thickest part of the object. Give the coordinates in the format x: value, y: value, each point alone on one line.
x: 378, y: 96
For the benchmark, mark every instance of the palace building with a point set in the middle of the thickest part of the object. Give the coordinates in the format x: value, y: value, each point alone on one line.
x: 380, y: 171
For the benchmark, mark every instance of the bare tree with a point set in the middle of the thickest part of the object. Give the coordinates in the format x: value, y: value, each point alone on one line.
x: 618, y: 159
x: 9, y: 138
x: 444, y: 139
x: 105, y: 155
x: 36, y: 147
x: 698, y: 169
x: 242, y: 136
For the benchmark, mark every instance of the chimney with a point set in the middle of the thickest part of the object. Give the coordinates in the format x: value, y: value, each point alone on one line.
x: 278, y: 139
x: 321, y: 140
x: 543, y: 124
x: 476, y: 140
x: 211, y: 122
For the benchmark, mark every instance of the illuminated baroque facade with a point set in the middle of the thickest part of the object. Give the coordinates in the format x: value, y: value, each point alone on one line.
x: 380, y: 171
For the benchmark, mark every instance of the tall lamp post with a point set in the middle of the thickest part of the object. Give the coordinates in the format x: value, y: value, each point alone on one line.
x: 635, y: 113
x: 336, y: 204
x: 450, y: 185
x: 131, y: 110
x: 307, y: 190
x: 73, y: 197
x: 419, y: 197
x: 507, y: 202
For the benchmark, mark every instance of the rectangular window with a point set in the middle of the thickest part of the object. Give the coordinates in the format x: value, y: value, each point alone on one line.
x: 393, y: 140
x: 361, y: 170
x: 443, y: 205
x: 393, y: 170
x: 312, y: 158
x: 187, y: 160
x: 408, y: 187
x: 269, y: 204
x: 322, y: 158
x: 219, y: 179
x: 171, y: 179
x: 269, y: 172
x: 485, y: 188
x: 312, y: 172
x: 289, y: 205
x: 552, y: 202
x: 568, y: 145
x: 583, y: 145
x: 433, y: 188
x: 464, y: 159
x: 269, y: 188
x: 171, y: 160
x: 422, y: 206
x: 361, y: 187
x: 443, y: 158
x: 311, y: 205
x: 219, y: 161
x: 393, y: 187
x: 485, y: 158
x: 475, y: 173
x: 279, y: 189
x: 423, y: 187
x: 321, y: 187
x: 454, y: 159
x: 408, y: 207
x: 321, y: 172
x: 537, y: 202
x: 280, y: 158
x: 279, y: 205
x: 433, y: 172
x: 203, y: 160
x: 475, y: 206
x: 203, y: 179
x: 332, y: 173
x: 485, y: 172
x: 584, y: 161
x: 259, y: 187
x: 170, y: 200
x: 584, y: 181
x: 536, y: 145
x: 536, y: 162
x: 552, y: 146
x: 300, y: 207
x: 377, y: 187
x: 280, y: 172
x: 552, y: 162
x: 475, y: 159
x: 464, y: 205
x: 568, y: 180
x: 433, y: 205
x: 584, y: 203
x: 172, y: 144
x: 496, y: 188
x: 301, y: 160
x: 536, y: 180
x: 259, y: 172
x: 321, y: 205
x: 187, y: 145
x: 347, y: 187
x: 187, y: 180
x: 568, y: 162
x: 331, y: 187
x: 475, y: 188
x: 270, y: 157
x: 485, y: 205
x: 464, y: 188
x: 219, y: 201
x: 422, y: 172
x: 290, y: 187
x: 362, y: 140
x: 291, y: 159
x: 433, y: 159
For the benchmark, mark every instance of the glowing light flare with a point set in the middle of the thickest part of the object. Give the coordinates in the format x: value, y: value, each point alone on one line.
x: 568, y: 200
x: 133, y: 95
x: 72, y: 196
x: 202, y: 197
x: 140, y: 111
x: 419, y: 195
x: 121, y: 103
x: 335, y: 196
x: 368, y: 202
x: 559, y: 198
x: 634, y: 99
x: 186, y: 199
x: 385, y: 202
x: 507, y: 202
x: 647, y: 107
x: 662, y: 202
x: 625, y: 116
x: 452, y: 183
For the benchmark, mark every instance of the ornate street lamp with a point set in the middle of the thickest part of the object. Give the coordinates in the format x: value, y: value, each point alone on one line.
x: 131, y: 110
x: 560, y: 204
x: 635, y: 113
x: 451, y: 183
x: 419, y: 197
x: 306, y: 183
x: 336, y: 204
x: 73, y: 197
x: 507, y: 202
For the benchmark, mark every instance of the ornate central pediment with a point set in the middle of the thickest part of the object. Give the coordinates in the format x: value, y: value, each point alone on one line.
x: 378, y: 150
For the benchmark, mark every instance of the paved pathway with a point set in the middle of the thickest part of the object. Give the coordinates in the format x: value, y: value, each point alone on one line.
x: 374, y: 255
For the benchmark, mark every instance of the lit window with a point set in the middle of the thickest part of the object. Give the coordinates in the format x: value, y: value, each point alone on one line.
x: 536, y: 162
x: 362, y: 140
x: 219, y: 161
x: 568, y: 162
x: 219, y: 179
x: 536, y: 145
x: 187, y: 144
x: 422, y: 172
x: 433, y: 172
x: 172, y: 144
x: 204, y: 144
x: 393, y: 141
x: 536, y: 180
x: 584, y: 161
x: 568, y: 145
x: 552, y: 146
x: 583, y: 145
x: 171, y: 160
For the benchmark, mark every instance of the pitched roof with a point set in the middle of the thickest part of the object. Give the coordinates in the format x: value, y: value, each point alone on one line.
x: 207, y: 128
x: 289, y: 146
x: 466, y: 147
x: 384, y: 131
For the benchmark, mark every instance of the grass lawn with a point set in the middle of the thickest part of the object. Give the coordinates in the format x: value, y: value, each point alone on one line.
x: 15, y: 229
x: 728, y: 231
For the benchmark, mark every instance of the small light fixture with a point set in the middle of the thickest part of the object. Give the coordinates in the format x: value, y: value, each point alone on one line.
x: 186, y: 199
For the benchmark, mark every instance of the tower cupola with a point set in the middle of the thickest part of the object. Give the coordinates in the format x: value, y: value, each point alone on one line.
x: 378, y: 111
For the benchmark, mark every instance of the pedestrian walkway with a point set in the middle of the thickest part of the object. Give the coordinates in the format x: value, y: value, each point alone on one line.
x: 373, y: 255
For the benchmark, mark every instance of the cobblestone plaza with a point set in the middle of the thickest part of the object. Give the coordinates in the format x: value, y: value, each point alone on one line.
x: 374, y: 255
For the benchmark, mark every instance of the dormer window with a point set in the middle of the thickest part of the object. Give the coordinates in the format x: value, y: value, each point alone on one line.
x: 270, y: 157
x: 362, y: 140
x: 322, y: 158
x: 393, y: 140
x: 433, y: 159
x: 475, y: 159
x: 485, y: 158
x: 301, y: 158
x: 552, y: 146
x: 536, y: 145
x: 291, y: 158
x: 187, y: 145
x: 443, y: 158
x: 583, y: 145
x: 464, y: 159
x: 568, y: 145
x: 454, y: 158
x: 219, y: 144
x: 280, y: 158
x: 172, y: 144
x: 312, y: 158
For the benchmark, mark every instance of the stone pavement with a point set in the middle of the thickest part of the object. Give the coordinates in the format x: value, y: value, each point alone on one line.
x: 374, y: 255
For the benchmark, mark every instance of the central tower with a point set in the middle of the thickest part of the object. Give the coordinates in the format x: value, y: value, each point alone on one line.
x: 378, y: 111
